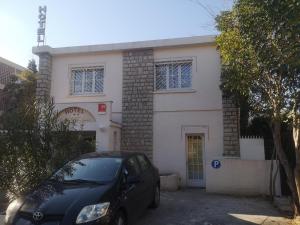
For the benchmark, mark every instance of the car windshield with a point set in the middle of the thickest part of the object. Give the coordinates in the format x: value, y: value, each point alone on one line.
x: 92, y: 169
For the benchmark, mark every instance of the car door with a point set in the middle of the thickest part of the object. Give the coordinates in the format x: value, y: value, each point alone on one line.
x: 133, y: 191
x: 147, y: 177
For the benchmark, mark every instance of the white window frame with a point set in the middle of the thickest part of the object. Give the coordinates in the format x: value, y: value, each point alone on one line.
x: 85, y: 67
x: 174, y: 61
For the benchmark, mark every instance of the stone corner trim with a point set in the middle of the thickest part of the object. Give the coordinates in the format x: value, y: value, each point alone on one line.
x: 137, y: 101
x: 231, y: 128
x: 44, y: 77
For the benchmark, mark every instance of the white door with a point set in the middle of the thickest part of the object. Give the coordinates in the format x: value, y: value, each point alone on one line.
x: 195, y: 160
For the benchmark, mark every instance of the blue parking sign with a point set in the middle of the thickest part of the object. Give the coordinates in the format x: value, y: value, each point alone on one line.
x: 216, y: 164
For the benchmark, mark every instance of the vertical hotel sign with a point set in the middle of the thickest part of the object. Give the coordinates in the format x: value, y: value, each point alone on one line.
x: 42, y: 25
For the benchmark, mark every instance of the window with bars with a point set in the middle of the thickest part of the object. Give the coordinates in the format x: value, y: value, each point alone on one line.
x: 173, y: 75
x: 87, y: 80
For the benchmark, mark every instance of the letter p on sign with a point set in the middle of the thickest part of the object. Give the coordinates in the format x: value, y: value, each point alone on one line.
x: 216, y: 164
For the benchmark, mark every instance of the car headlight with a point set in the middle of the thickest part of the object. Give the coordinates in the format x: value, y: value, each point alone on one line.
x: 92, y: 212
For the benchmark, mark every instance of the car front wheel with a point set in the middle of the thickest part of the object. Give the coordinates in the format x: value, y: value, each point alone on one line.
x: 119, y: 219
x: 156, y: 198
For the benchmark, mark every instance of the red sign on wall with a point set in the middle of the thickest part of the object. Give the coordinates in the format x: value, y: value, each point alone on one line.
x: 102, y: 108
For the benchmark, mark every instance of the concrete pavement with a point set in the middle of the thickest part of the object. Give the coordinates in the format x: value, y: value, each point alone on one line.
x: 196, y: 207
x: 1, y: 220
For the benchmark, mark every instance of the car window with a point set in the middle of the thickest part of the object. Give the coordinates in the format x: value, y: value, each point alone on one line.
x: 144, y: 163
x: 132, y: 167
x: 93, y: 169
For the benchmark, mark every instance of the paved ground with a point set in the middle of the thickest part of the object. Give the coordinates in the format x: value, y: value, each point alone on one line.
x: 195, y: 207
x: 1, y: 220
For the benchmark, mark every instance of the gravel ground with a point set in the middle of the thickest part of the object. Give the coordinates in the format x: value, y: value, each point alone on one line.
x: 196, y: 207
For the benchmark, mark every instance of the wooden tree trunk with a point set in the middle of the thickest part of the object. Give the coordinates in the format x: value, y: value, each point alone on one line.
x: 297, y: 179
x: 296, y: 137
x: 276, y: 131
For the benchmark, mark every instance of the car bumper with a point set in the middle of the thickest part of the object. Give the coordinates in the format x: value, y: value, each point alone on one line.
x: 102, y: 221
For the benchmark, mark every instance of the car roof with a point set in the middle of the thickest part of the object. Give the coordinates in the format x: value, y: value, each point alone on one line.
x: 109, y: 154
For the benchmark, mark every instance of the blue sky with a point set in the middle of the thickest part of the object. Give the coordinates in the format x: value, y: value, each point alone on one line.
x: 85, y: 22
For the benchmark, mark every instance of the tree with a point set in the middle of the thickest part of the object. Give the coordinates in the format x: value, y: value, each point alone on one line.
x: 260, y: 51
x: 34, y: 141
x: 32, y: 66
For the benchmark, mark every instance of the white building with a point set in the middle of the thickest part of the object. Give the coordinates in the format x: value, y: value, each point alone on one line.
x: 161, y: 97
x: 8, y: 74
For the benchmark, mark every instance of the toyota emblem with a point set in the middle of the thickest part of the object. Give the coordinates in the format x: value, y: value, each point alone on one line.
x: 37, y: 216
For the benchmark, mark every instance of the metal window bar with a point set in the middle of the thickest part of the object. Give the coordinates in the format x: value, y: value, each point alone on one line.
x: 184, y: 73
x: 92, y: 86
x: 98, y: 79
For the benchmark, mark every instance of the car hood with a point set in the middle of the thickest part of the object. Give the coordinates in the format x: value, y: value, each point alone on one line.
x: 59, y: 198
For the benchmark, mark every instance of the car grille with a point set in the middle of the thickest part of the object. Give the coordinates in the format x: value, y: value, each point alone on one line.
x: 46, y: 218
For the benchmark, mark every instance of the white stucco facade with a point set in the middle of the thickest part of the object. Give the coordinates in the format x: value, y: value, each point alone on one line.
x: 177, y: 113
x: 198, y: 111
x: 112, y: 62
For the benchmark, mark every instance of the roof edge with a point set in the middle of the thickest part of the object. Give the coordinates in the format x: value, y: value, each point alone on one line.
x: 160, y: 43
x: 11, y: 64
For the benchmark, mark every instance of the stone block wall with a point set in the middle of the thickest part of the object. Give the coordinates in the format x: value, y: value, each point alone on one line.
x: 44, y: 78
x: 231, y: 128
x: 137, y: 102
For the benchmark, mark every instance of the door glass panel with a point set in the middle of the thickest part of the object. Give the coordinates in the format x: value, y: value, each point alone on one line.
x: 195, y: 157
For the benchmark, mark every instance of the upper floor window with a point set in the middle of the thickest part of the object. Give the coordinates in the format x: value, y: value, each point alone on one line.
x: 87, y: 80
x: 173, y: 75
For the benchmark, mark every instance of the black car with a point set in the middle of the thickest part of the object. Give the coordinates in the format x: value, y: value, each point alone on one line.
x: 97, y: 188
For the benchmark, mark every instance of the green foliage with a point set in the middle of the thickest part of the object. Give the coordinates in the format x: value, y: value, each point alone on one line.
x: 34, y: 142
x: 32, y: 66
x: 260, y: 49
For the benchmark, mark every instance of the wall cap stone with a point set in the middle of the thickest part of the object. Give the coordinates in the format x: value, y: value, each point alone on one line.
x: 162, y: 43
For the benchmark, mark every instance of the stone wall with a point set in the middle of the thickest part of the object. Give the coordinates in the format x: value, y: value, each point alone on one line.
x: 44, y: 78
x: 231, y: 128
x: 137, y: 102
